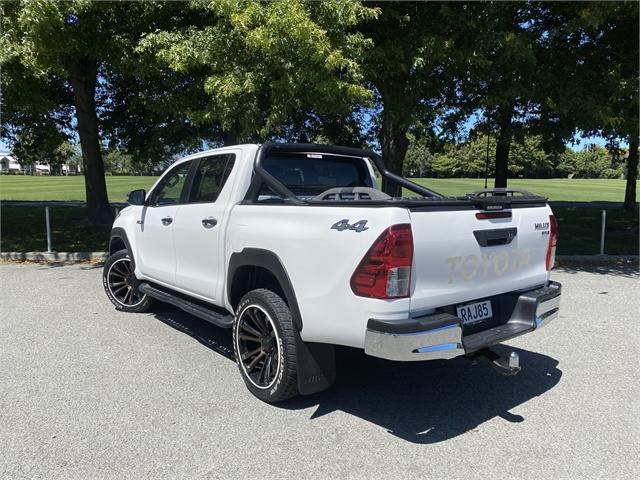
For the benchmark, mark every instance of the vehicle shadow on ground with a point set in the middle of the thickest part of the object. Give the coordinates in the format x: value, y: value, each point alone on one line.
x: 423, y: 402
x: 216, y: 338
x: 429, y: 402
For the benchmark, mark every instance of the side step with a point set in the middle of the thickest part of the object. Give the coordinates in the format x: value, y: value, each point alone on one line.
x: 189, y: 306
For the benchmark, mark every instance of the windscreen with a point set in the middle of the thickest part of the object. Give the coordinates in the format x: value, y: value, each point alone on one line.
x: 311, y: 174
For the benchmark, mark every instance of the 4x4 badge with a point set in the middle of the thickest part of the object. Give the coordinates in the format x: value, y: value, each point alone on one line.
x: 359, y: 226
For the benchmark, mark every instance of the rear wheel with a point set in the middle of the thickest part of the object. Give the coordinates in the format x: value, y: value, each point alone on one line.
x: 121, y: 285
x: 264, y: 346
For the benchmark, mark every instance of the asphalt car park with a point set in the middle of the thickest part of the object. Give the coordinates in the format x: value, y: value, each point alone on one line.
x: 89, y: 392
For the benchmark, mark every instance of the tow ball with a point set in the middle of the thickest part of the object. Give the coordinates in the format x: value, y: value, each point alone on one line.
x: 508, y: 366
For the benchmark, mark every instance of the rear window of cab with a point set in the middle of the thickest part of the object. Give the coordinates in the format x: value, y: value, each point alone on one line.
x: 311, y: 174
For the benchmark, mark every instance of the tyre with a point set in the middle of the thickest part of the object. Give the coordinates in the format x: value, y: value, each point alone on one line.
x: 264, y: 344
x: 121, y: 284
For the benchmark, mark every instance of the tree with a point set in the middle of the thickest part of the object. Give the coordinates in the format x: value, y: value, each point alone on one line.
x: 68, y: 154
x: 89, y: 48
x: 37, y: 144
x: 71, y: 40
x: 413, y: 68
x: 529, y: 160
x: 615, y: 45
x: 504, y: 78
x: 592, y: 68
x: 35, y: 111
x: 418, y: 160
x: 118, y: 162
x: 154, y: 112
x: 466, y: 159
x: 296, y: 64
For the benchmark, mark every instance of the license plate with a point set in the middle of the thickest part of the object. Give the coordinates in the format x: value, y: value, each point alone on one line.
x: 475, y: 312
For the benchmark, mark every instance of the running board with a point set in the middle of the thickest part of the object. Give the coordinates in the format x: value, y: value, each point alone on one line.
x: 200, y: 311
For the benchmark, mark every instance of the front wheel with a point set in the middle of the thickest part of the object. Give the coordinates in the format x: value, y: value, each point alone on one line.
x: 265, y: 346
x: 121, y: 285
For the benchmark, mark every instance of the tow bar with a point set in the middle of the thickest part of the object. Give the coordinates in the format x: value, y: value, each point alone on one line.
x: 508, y: 366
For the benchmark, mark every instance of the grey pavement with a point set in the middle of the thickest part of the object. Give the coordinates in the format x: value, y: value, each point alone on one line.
x: 87, y: 392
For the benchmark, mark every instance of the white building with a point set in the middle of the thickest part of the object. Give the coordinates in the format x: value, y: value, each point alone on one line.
x: 9, y: 164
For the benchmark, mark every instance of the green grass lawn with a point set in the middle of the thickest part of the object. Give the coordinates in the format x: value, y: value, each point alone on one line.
x: 579, y: 231
x: 23, y: 227
x: 24, y: 187
x: 20, y: 187
x: 555, y: 189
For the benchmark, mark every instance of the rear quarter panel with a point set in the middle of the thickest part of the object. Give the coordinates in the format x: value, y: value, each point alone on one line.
x: 319, y: 261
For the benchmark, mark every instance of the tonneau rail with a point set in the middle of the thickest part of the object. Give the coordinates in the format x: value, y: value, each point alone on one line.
x: 501, y: 198
x: 262, y: 177
x: 487, y: 199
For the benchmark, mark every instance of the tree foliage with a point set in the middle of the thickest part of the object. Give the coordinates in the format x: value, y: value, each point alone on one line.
x: 528, y: 159
x: 146, y: 81
x: 269, y: 64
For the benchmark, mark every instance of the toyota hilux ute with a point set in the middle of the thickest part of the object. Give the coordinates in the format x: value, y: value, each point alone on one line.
x: 296, y: 249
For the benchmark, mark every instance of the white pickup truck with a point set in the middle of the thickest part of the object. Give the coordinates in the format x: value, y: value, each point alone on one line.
x: 296, y: 249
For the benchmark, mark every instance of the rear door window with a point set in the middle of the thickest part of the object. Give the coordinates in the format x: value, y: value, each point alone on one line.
x: 209, y: 178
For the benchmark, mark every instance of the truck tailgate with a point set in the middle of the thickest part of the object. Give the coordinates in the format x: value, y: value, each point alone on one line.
x: 459, y: 257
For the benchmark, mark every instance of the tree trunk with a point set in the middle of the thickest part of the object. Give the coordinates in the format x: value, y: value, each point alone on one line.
x: 632, y: 174
x: 83, y: 77
x: 503, y: 146
x: 394, y: 142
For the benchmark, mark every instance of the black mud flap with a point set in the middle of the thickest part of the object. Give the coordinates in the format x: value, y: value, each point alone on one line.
x: 316, y: 366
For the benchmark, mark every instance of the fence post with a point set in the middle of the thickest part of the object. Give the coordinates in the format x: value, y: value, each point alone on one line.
x: 46, y: 214
x: 604, y: 223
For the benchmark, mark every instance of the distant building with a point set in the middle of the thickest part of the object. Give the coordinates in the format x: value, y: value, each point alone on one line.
x: 9, y: 164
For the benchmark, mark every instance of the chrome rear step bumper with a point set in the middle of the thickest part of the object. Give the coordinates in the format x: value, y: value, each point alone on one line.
x: 440, y: 335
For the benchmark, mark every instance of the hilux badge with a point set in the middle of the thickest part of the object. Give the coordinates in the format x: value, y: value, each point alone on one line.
x: 541, y: 226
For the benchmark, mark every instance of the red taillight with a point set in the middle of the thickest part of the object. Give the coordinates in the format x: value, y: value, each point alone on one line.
x: 489, y: 215
x: 553, y: 240
x: 385, y: 270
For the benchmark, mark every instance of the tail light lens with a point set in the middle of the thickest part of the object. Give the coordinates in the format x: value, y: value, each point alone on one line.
x: 385, y: 270
x: 491, y: 215
x: 553, y: 240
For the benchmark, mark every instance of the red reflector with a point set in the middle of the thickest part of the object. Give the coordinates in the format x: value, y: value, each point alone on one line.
x: 553, y: 241
x: 486, y: 215
x: 385, y: 270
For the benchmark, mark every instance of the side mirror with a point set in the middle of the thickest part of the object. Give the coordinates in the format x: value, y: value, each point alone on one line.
x: 136, y: 197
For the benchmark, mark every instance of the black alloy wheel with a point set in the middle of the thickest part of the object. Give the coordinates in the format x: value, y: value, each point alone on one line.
x: 258, y: 346
x: 121, y: 285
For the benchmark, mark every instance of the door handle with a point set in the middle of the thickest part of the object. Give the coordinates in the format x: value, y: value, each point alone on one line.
x: 497, y: 236
x: 167, y: 220
x: 209, y: 222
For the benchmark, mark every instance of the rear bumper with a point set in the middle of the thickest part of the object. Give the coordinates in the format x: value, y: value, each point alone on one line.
x: 440, y: 335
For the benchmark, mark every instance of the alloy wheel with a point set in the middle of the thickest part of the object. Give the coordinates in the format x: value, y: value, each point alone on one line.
x: 123, y: 283
x: 258, y: 346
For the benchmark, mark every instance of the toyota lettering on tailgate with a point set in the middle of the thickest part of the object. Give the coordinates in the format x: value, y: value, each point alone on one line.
x: 472, y: 267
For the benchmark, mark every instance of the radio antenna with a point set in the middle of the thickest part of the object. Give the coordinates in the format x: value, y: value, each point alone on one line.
x: 486, y: 163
